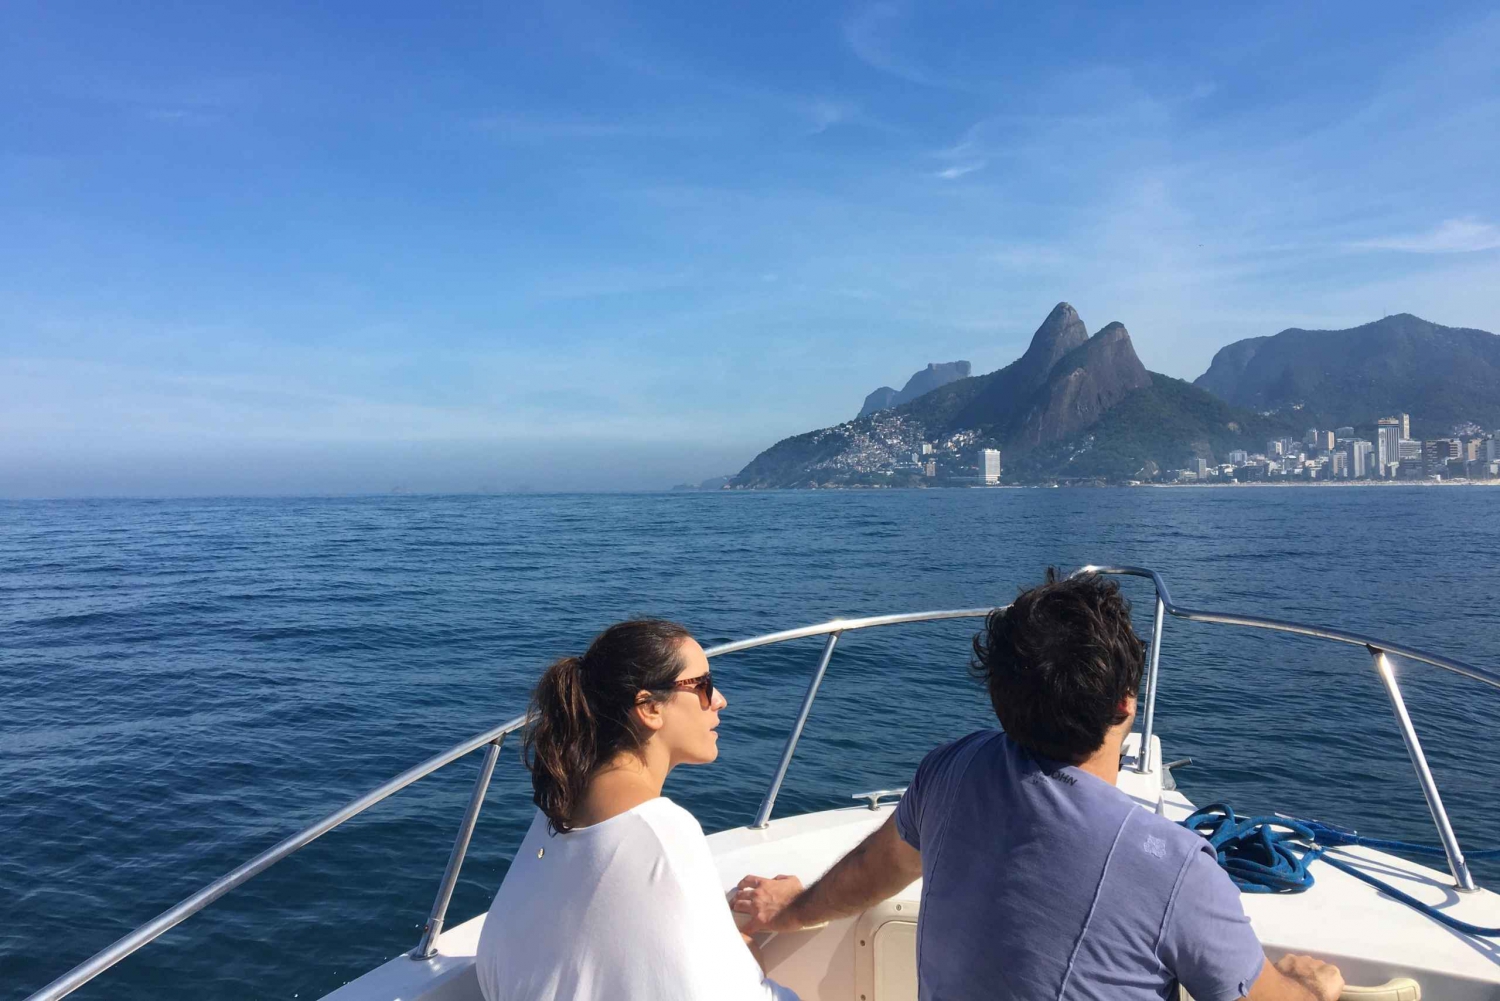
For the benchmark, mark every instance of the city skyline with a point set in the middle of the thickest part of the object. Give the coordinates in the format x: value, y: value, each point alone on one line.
x: 1324, y: 454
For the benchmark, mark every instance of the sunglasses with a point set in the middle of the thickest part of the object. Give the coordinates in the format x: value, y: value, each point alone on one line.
x: 703, y: 684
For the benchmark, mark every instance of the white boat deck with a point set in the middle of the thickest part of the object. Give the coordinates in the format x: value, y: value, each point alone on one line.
x: 1372, y: 938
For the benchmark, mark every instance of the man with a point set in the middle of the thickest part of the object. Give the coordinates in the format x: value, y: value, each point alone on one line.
x: 1041, y: 879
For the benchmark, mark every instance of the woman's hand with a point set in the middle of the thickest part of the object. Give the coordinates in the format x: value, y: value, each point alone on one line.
x: 764, y: 901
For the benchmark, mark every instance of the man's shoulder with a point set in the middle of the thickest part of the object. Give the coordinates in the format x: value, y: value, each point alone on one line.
x: 965, y: 746
x: 1166, y: 839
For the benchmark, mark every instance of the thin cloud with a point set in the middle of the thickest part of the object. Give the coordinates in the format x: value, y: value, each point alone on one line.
x: 182, y: 116
x: 824, y: 114
x: 606, y: 282
x: 868, y: 35
x: 1452, y: 236
x: 959, y: 170
x: 518, y: 128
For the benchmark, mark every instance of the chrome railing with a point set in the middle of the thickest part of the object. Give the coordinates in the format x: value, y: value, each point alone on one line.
x: 174, y: 916
x: 1379, y: 651
x: 493, y: 739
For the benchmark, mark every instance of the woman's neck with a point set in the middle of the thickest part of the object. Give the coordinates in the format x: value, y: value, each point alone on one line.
x: 623, y: 784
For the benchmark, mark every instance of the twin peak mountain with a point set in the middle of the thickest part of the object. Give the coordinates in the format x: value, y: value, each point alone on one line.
x: 1063, y: 383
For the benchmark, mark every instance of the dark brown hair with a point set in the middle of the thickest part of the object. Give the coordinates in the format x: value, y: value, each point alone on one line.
x: 582, y: 710
x: 1058, y: 662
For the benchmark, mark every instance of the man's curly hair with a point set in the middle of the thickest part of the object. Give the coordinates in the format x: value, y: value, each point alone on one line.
x: 1059, y: 662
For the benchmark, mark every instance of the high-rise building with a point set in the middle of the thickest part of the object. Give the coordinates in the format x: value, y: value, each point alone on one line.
x: 1338, y: 465
x: 1406, y: 425
x: 1471, y: 449
x: 1492, y: 449
x: 1310, y: 437
x: 1387, y: 436
x: 989, y: 465
x: 1199, y: 468
x: 1359, y: 458
x: 930, y: 469
x: 1274, y: 448
x: 926, y: 448
x: 1345, y: 432
x: 1239, y: 457
x: 1437, y: 451
x: 1325, y: 440
x: 1408, y: 449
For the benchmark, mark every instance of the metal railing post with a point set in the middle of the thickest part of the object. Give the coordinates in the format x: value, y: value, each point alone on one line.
x: 763, y: 815
x: 1456, y: 863
x: 427, y: 947
x: 1148, y: 725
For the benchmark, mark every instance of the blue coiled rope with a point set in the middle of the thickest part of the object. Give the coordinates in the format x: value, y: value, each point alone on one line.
x: 1259, y: 853
x: 1263, y: 855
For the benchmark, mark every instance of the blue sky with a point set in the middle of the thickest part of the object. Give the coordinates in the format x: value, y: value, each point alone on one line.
x: 262, y: 248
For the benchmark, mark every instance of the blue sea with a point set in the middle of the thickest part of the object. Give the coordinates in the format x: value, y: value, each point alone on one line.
x: 185, y: 682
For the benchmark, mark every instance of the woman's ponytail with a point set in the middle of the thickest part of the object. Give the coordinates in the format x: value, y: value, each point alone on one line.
x: 582, y: 710
x: 560, y: 746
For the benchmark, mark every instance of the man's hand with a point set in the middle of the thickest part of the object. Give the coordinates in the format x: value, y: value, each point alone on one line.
x: 1322, y: 979
x: 1298, y: 978
x: 880, y: 866
x: 765, y: 901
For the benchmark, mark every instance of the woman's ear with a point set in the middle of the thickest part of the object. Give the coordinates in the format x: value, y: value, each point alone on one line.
x: 648, y: 711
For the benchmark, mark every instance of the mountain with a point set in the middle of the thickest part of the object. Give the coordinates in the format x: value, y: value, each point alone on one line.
x: 712, y: 483
x: 1081, y: 386
x: 1072, y: 406
x: 1005, y: 392
x: 936, y: 374
x: 1168, y: 423
x: 1401, y: 364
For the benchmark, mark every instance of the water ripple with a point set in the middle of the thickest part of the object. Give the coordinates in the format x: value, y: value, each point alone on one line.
x: 187, y: 682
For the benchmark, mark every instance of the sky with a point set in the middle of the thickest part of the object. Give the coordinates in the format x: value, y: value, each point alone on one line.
x: 262, y: 248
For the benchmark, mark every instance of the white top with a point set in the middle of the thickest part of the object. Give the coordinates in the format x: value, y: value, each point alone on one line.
x: 630, y: 908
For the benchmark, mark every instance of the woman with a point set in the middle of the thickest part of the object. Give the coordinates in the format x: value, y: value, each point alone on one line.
x: 613, y: 895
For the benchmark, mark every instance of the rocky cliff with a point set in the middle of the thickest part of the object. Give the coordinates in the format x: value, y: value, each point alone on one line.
x: 934, y: 376
x: 1400, y: 364
x: 1062, y: 385
x: 1081, y: 386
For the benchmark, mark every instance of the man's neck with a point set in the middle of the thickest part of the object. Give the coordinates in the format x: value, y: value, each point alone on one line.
x: 1105, y: 762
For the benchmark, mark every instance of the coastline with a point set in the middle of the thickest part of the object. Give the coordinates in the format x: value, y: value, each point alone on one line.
x: 1327, y: 484
x: 1259, y: 484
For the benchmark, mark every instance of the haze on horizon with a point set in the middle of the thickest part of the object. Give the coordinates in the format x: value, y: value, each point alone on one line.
x: 274, y: 248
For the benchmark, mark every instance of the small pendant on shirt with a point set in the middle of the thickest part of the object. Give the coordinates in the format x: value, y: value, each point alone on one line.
x: 540, y: 852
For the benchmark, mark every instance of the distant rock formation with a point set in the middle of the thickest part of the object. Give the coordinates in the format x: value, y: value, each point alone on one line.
x: 1400, y: 364
x: 1058, y: 390
x: 712, y: 483
x: 1010, y: 390
x: 1081, y: 386
x: 1075, y: 408
x: 935, y: 375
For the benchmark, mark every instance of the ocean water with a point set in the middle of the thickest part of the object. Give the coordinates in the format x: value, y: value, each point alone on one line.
x: 183, y: 683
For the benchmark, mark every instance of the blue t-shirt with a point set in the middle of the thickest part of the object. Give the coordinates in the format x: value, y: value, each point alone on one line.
x: 1041, y: 881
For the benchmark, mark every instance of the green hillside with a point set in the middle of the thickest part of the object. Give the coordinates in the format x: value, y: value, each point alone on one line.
x: 1169, y: 423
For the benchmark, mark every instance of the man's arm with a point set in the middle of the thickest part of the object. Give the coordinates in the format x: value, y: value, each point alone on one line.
x: 880, y: 867
x: 1297, y: 978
